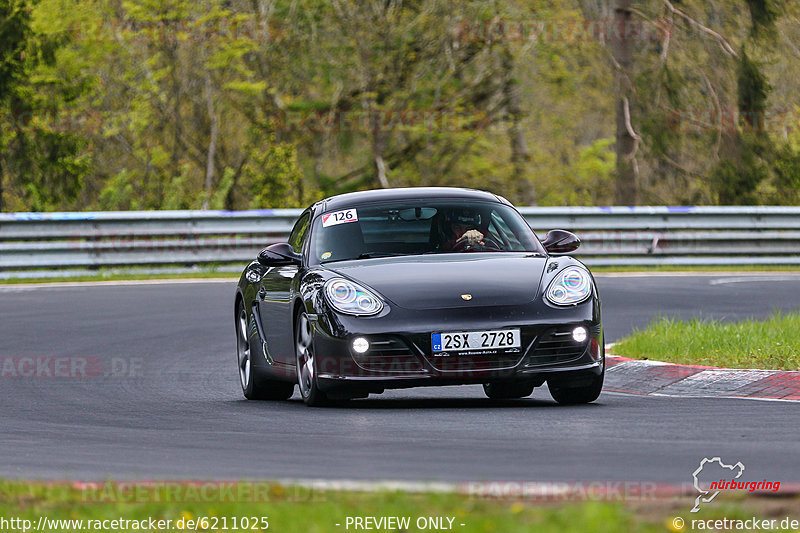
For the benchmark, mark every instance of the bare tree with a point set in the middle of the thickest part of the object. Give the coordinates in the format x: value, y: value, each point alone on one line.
x: 512, y: 98
x: 627, y: 182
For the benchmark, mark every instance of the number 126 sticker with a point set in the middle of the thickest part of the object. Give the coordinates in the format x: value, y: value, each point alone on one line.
x: 339, y: 217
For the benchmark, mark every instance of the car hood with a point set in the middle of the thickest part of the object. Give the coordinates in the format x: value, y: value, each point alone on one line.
x: 444, y: 281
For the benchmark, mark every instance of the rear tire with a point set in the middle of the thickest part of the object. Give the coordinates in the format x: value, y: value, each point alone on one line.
x: 497, y: 390
x: 254, y: 387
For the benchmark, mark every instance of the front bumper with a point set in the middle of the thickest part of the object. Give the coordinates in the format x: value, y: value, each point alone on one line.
x: 402, y: 356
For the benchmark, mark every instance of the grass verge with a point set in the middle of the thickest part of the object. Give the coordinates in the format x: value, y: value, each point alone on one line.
x: 296, y: 509
x: 142, y: 274
x: 773, y: 343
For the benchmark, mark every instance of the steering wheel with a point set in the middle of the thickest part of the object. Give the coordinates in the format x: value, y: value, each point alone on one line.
x: 490, y: 244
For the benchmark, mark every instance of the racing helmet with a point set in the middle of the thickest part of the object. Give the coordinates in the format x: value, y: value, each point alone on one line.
x: 462, y: 216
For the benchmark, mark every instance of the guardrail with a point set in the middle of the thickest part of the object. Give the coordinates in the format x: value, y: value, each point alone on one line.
x: 611, y: 236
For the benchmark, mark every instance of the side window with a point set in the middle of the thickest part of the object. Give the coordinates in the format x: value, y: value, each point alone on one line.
x: 499, y: 227
x: 299, y: 233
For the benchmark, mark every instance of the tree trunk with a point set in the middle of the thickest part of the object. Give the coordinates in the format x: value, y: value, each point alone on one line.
x: 317, y: 151
x: 627, y: 186
x: 380, y: 165
x: 379, y: 142
x: 1, y: 187
x: 524, y: 189
x: 212, y: 143
x: 177, y: 120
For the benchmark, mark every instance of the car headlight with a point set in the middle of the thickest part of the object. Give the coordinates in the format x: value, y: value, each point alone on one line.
x: 351, y: 298
x: 571, y: 286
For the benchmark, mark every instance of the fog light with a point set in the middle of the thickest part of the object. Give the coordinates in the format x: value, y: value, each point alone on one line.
x: 360, y: 345
x: 579, y: 334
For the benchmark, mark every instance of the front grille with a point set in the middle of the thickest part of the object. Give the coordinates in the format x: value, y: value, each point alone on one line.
x: 555, y: 346
x: 467, y: 363
x: 388, y: 354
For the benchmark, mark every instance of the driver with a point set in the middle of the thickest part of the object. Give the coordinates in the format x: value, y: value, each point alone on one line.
x: 462, y: 228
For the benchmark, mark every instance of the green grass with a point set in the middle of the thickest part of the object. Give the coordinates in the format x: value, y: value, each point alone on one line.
x: 773, y: 343
x: 289, y: 508
x: 292, y: 508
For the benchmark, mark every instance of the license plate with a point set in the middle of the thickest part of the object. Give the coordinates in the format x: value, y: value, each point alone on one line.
x: 466, y: 341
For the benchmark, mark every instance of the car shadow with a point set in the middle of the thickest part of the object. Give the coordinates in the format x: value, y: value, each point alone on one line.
x: 438, y: 403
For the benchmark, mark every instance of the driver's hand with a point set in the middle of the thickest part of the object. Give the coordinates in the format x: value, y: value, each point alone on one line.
x: 472, y: 237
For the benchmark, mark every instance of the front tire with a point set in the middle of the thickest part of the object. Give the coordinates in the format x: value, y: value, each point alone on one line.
x: 254, y: 387
x: 566, y: 395
x: 306, y: 363
x: 497, y: 390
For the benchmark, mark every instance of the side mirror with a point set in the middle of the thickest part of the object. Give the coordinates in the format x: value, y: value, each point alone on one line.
x: 559, y: 241
x: 278, y: 254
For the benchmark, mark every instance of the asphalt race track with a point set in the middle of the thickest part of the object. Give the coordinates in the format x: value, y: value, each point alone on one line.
x: 162, y: 400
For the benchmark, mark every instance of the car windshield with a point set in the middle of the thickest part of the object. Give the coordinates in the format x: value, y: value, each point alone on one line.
x: 415, y: 227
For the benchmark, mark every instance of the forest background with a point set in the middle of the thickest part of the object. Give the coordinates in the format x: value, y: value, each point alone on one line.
x: 178, y: 104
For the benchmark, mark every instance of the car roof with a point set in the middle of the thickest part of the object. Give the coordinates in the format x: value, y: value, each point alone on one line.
x: 351, y: 199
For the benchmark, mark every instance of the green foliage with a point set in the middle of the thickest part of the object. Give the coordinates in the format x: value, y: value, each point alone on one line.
x: 757, y: 170
x: 123, y: 103
x: 273, y: 178
x: 787, y: 170
x: 182, y: 192
x: 735, y: 182
x: 14, y: 36
x: 219, y: 197
x: 119, y: 193
x: 43, y: 154
x: 595, y: 168
x: 753, y: 91
x: 763, y: 14
x: 55, y: 170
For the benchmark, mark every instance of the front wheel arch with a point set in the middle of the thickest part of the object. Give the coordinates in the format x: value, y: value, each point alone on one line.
x: 296, y: 309
x: 256, y: 385
x: 239, y: 300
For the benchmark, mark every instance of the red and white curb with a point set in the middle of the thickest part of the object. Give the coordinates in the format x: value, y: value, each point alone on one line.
x: 667, y: 379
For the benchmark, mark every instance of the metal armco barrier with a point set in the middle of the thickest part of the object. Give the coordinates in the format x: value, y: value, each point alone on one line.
x: 611, y: 236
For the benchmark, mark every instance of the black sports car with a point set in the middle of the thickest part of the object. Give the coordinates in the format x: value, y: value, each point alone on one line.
x: 402, y: 288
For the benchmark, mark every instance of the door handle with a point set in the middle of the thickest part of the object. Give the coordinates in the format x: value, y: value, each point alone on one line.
x: 262, y: 292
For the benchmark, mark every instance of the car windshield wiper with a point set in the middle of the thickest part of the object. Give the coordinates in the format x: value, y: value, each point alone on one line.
x: 366, y: 255
x: 373, y: 255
